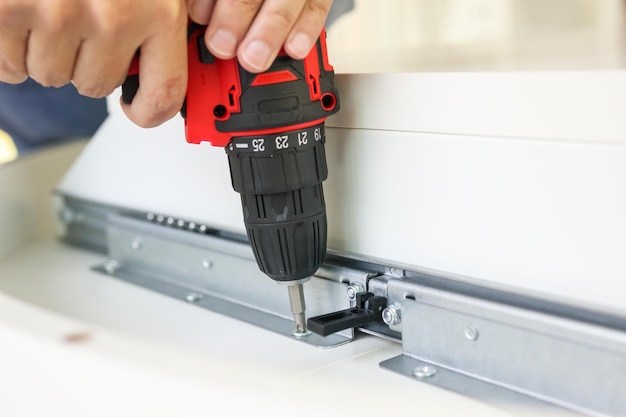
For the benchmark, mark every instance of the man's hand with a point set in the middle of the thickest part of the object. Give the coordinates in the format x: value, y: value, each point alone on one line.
x: 255, y: 30
x: 91, y: 43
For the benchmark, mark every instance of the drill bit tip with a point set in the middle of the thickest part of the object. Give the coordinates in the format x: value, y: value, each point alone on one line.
x: 298, y: 307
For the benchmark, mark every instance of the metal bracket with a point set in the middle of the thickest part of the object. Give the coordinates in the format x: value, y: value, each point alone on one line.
x: 368, y: 309
x: 512, y: 356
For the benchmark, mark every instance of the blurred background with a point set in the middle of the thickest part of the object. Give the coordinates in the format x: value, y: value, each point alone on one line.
x: 469, y: 35
x: 478, y: 35
x: 8, y: 150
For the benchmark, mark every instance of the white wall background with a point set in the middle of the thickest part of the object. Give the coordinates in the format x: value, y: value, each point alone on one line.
x: 422, y: 35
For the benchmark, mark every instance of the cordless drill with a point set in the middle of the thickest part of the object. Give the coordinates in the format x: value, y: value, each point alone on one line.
x: 272, y: 127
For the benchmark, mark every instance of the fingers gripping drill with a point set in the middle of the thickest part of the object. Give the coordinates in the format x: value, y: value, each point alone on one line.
x: 272, y: 128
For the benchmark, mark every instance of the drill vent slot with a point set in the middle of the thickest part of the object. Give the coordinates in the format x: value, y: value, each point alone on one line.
x: 260, y: 207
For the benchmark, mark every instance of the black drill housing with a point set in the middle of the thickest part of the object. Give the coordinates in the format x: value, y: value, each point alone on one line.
x: 279, y: 175
x: 283, y: 201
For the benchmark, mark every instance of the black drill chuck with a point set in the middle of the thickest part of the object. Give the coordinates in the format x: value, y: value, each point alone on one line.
x: 280, y: 177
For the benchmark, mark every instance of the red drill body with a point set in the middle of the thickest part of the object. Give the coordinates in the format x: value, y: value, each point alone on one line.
x: 225, y: 101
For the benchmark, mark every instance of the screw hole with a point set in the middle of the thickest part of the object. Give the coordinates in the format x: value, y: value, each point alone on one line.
x: 219, y: 111
x: 329, y: 101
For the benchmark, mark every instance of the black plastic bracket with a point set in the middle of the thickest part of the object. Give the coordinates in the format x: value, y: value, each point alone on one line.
x: 369, y: 309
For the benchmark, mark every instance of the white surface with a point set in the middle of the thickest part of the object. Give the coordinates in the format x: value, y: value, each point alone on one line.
x: 568, y: 106
x: 512, y: 178
x: 544, y: 216
x: 26, y: 187
x: 155, y: 170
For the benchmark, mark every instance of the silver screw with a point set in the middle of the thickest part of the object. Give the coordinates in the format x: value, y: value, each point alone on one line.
x: 136, y: 243
x: 392, y: 315
x: 111, y: 266
x: 396, y: 272
x: 353, y: 290
x: 67, y: 215
x: 471, y: 332
x: 194, y: 297
x: 207, y: 263
x: 425, y: 371
x: 150, y: 216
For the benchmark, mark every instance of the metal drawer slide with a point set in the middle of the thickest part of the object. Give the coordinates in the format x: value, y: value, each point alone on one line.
x: 497, y: 344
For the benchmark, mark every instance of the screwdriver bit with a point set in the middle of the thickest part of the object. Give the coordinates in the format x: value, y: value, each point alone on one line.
x: 296, y: 300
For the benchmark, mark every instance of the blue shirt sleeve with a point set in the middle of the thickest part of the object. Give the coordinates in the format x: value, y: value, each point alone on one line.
x: 36, y: 116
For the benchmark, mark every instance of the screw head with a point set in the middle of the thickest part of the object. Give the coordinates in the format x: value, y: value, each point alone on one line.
x: 136, y: 244
x: 207, y: 263
x: 194, y: 297
x: 424, y: 371
x: 111, y: 266
x: 67, y: 215
x: 396, y: 272
x: 353, y: 290
x: 471, y: 332
x: 391, y: 315
x: 219, y: 111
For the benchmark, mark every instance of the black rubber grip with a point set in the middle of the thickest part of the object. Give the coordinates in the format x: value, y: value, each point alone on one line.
x: 280, y: 179
x: 129, y: 88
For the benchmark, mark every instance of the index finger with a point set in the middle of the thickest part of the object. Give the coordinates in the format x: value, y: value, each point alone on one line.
x: 162, y: 79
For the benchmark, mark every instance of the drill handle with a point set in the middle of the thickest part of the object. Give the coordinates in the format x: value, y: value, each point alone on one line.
x: 131, y: 84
